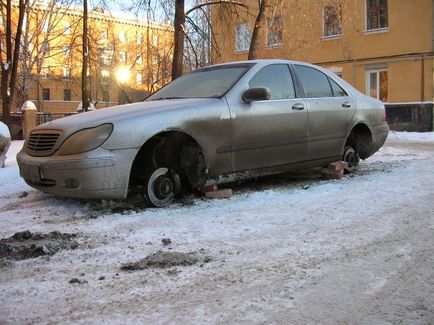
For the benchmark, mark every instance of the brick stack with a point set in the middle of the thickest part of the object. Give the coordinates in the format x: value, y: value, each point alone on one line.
x: 334, y: 170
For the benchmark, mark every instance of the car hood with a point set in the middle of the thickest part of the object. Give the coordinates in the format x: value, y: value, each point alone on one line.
x: 118, y: 113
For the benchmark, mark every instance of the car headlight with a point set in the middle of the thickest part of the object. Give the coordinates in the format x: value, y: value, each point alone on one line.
x: 85, y: 140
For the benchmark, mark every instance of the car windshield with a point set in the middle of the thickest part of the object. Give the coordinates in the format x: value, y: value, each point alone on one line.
x: 203, y: 83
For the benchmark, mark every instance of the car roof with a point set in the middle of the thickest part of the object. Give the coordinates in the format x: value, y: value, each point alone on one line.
x: 262, y: 61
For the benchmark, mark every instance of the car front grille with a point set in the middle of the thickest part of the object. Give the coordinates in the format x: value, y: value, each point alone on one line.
x: 42, y: 142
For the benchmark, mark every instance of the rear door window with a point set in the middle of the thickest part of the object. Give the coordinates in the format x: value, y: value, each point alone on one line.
x: 337, y: 90
x: 314, y: 82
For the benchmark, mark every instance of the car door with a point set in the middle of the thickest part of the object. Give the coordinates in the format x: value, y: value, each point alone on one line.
x: 330, y: 112
x: 270, y: 132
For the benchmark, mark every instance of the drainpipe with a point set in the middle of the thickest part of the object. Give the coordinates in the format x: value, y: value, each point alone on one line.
x: 422, y: 95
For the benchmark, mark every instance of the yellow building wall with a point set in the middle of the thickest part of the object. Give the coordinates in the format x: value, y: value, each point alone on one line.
x: 155, y: 48
x: 400, y: 47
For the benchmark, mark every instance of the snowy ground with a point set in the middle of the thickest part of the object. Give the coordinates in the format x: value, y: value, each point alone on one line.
x: 283, y: 250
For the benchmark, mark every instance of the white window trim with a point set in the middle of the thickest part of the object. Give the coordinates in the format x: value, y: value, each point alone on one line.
x: 274, y: 45
x: 247, y: 48
x: 376, y: 30
x: 329, y: 37
x: 368, y: 81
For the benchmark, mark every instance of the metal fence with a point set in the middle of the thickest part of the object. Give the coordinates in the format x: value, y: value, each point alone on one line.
x: 16, y: 122
x: 42, y: 117
x: 411, y: 117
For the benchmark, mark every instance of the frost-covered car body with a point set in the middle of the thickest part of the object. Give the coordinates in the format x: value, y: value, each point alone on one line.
x: 213, y: 125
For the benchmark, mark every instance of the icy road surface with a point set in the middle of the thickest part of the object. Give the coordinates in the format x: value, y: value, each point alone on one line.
x: 283, y: 250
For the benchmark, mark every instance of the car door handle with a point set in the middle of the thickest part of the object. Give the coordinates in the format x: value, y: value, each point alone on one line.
x: 346, y: 104
x: 298, y: 106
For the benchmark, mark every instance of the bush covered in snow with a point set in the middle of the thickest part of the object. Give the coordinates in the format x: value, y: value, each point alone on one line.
x: 5, y: 142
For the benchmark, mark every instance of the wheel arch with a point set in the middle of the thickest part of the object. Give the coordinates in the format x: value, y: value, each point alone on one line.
x: 162, y: 149
x: 360, y: 138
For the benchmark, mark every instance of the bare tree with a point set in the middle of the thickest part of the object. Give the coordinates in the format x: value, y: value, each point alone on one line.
x: 10, y: 54
x: 85, y: 61
x: 259, y: 25
x: 42, y: 29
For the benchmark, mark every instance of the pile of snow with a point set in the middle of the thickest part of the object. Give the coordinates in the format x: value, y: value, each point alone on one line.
x: 5, y: 142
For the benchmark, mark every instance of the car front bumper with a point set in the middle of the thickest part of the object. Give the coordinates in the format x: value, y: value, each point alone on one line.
x: 98, y: 174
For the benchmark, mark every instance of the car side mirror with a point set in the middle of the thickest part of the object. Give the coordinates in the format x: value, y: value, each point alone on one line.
x: 256, y: 93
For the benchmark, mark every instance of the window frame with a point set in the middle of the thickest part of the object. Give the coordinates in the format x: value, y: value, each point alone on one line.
x: 279, y: 42
x: 123, y: 57
x: 65, y: 91
x: 45, y: 73
x: 67, y: 27
x: 66, y: 51
x: 139, y: 38
x: 378, y: 8
x: 66, y: 73
x: 139, y: 78
x: 378, y: 84
x: 122, y: 35
x: 46, y: 91
x: 244, y: 36
x: 139, y: 59
x: 338, y: 15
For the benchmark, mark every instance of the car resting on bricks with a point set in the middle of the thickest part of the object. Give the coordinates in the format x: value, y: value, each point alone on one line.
x: 213, y: 125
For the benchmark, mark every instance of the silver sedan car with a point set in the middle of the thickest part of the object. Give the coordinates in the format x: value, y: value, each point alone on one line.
x: 213, y: 125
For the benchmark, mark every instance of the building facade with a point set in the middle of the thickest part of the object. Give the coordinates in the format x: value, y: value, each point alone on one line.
x: 383, y: 48
x: 128, y: 58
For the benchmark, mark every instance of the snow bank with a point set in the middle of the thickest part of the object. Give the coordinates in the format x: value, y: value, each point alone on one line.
x: 4, y: 130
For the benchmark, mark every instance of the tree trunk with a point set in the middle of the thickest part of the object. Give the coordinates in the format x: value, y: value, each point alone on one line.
x: 10, y: 67
x: 259, y: 24
x: 84, y: 92
x: 178, y: 50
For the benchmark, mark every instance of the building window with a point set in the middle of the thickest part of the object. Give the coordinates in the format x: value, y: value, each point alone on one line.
x: 123, y: 57
x: 274, y: 31
x: 66, y: 73
x: 45, y: 73
x: 242, y: 37
x: 376, y: 84
x: 104, y: 33
x: 139, y: 59
x: 66, y: 51
x: 139, y: 80
x: 376, y: 14
x: 122, y: 36
x: 45, y: 93
x: 67, y: 28
x: 105, y: 96
x: 332, y: 21
x: 155, y: 40
x: 139, y: 38
x: 106, y: 56
x: 67, y: 95
x: 45, y: 26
